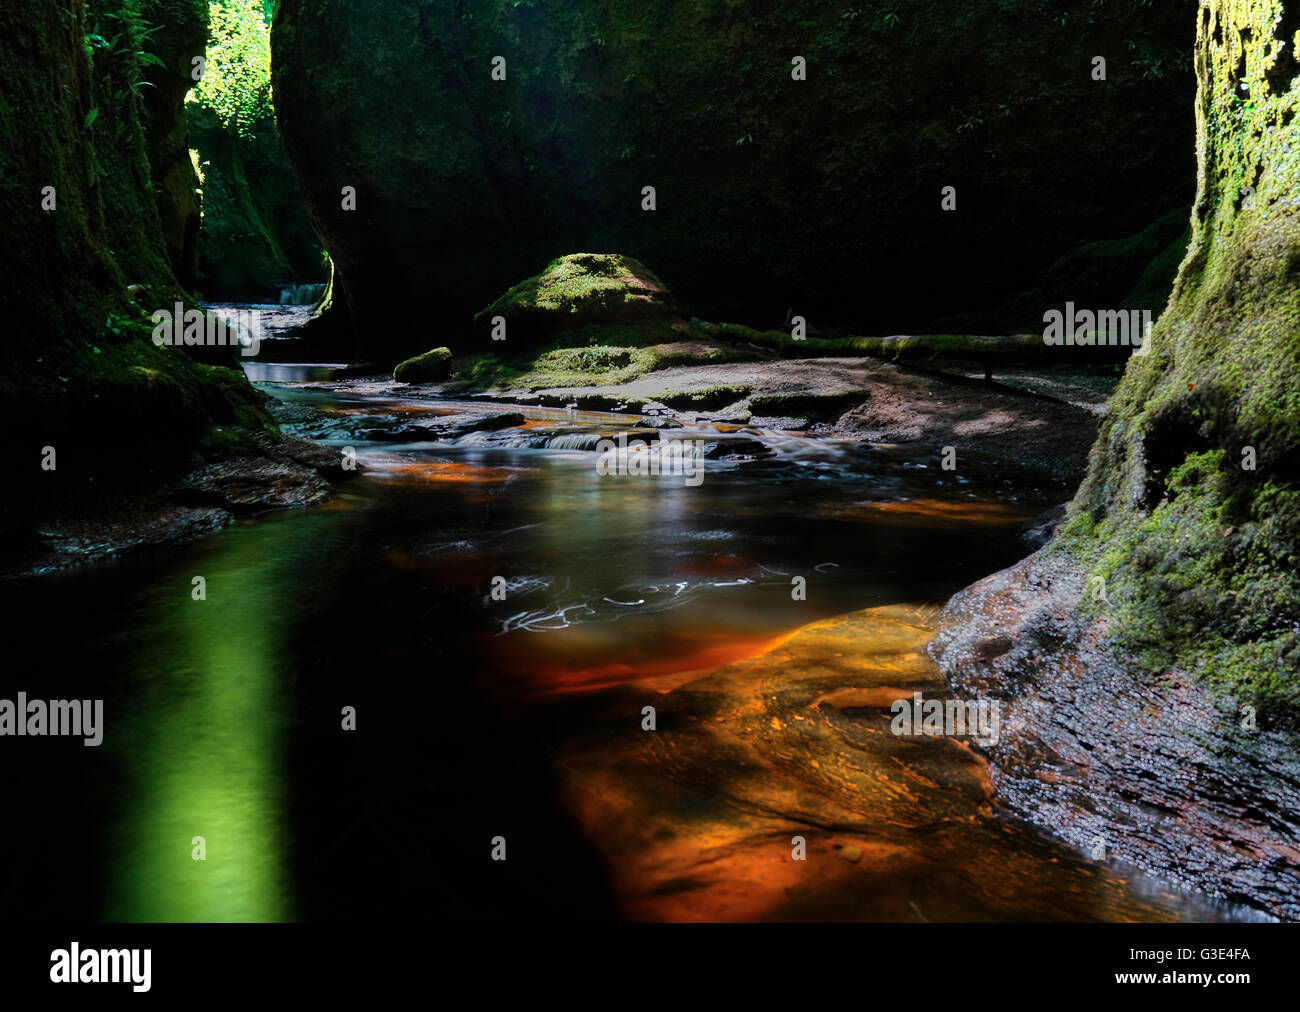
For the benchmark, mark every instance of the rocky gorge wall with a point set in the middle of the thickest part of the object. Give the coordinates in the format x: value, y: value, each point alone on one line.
x: 96, y: 235
x: 1150, y: 653
x: 770, y: 193
x: 255, y: 234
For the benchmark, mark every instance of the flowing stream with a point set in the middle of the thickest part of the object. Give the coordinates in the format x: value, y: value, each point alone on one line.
x: 223, y: 716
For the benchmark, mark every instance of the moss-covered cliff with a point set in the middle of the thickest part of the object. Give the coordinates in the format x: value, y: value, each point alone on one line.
x: 80, y: 210
x: 1191, y: 508
x: 179, y: 32
x: 1149, y: 656
x: 256, y: 235
x: 771, y: 192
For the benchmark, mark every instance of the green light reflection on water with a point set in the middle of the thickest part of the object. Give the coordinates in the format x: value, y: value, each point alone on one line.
x: 206, y: 752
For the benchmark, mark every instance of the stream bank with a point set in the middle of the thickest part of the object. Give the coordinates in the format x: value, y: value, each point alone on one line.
x: 1039, y: 419
x: 491, y: 713
x: 773, y: 707
x: 1156, y: 773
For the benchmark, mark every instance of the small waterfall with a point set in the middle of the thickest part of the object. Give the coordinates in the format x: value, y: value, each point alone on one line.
x: 576, y: 441
x: 503, y: 439
x: 301, y: 295
x: 243, y: 327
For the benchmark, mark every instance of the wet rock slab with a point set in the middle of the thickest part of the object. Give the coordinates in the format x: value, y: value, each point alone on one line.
x: 108, y: 527
x: 288, y: 472
x: 1156, y: 770
x: 244, y: 485
x: 696, y: 818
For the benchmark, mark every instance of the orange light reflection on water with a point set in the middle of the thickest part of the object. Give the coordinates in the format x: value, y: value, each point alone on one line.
x: 427, y: 471
x: 574, y: 659
x: 933, y: 512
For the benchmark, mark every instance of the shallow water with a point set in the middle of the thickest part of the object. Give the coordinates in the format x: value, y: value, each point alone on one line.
x: 223, y: 715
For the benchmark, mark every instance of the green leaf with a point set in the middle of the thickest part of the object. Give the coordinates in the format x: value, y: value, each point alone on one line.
x: 149, y: 60
x: 91, y: 117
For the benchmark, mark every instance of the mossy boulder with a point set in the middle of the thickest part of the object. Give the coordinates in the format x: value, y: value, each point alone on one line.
x: 706, y: 398
x: 578, y: 290
x: 579, y: 364
x: 431, y: 367
x: 806, y: 405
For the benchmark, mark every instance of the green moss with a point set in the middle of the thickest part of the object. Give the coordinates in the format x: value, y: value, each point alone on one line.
x: 590, y: 366
x: 1206, y: 583
x: 255, y: 233
x: 431, y: 367
x: 628, y: 333
x: 707, y: 398
x: 483, y: 372
x: 78, y: 370
x: 568, y: 363
x: 1193, y: 490
x: 118, y: 405
x: 584, y: 290
x: 224, y: 443
x: 910, y: 348
x: 595, y: 359
x: 576, y: 284
x: 804, y: 405
x: 786, y: 346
